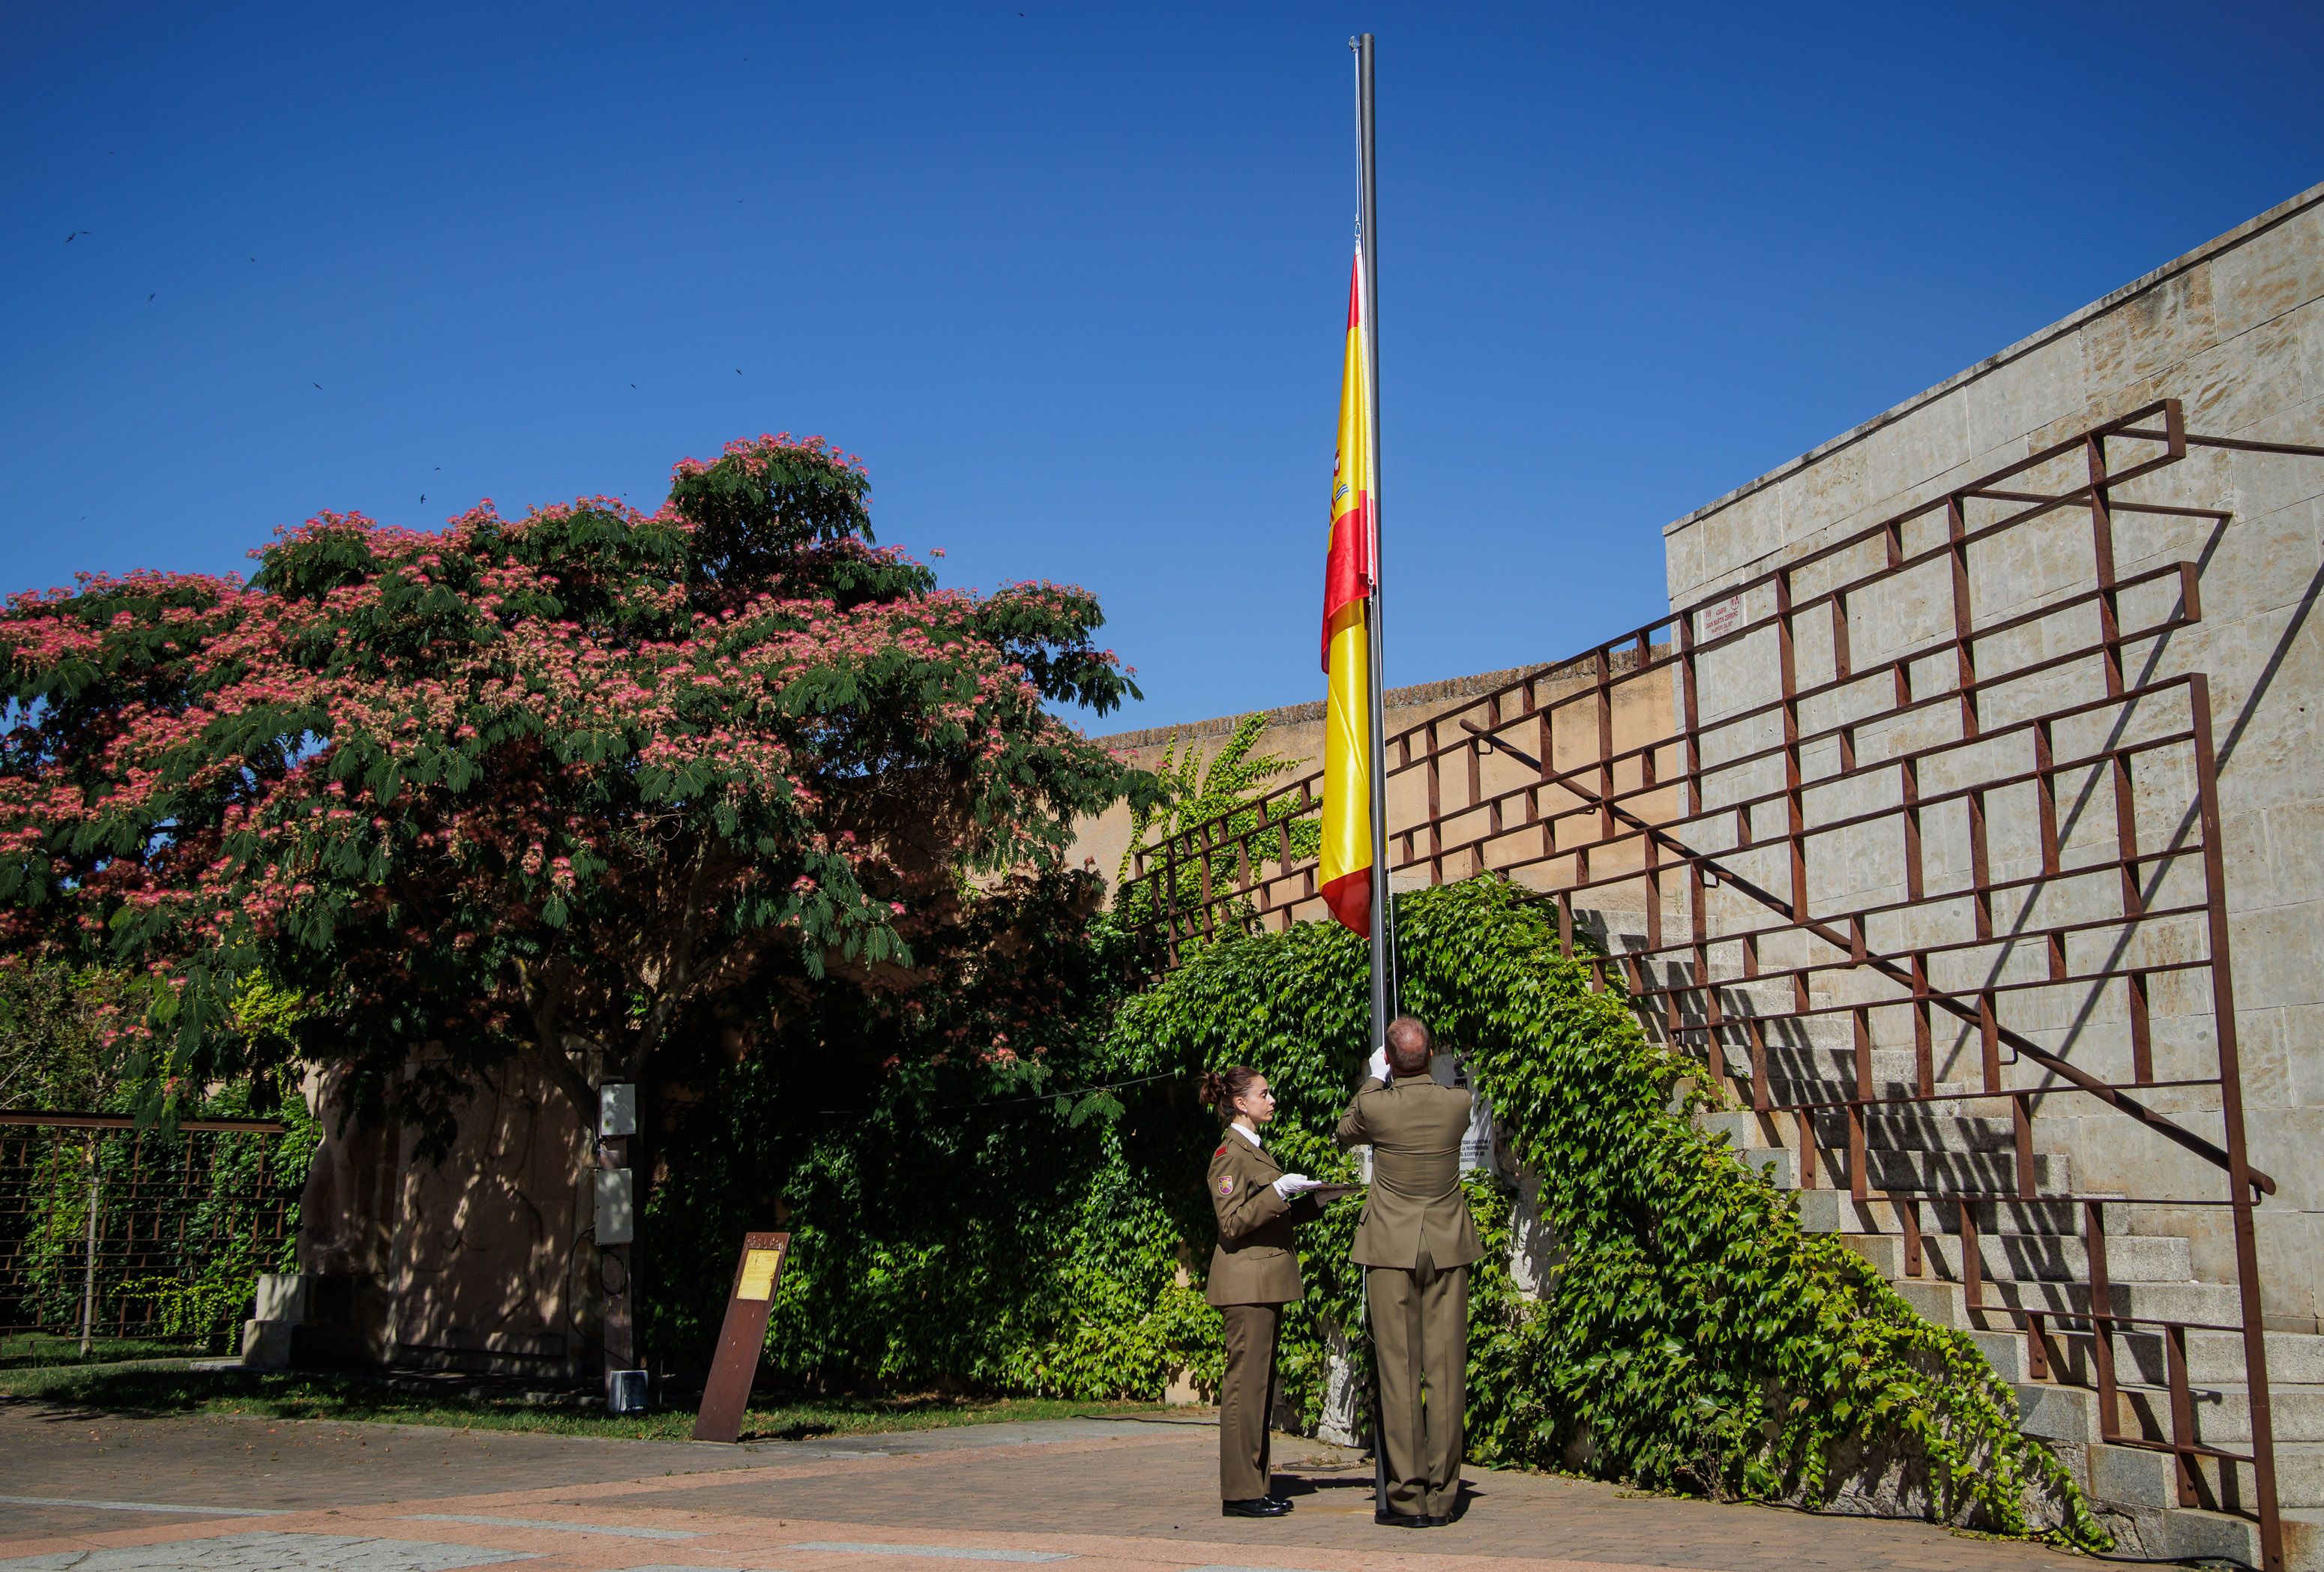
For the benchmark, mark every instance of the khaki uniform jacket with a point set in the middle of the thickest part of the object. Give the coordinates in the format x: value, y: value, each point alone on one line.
x: 1256, y: 1262
x: 1414, y: 1128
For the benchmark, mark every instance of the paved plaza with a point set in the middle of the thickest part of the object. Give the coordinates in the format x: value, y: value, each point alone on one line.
x: 101, y: 1493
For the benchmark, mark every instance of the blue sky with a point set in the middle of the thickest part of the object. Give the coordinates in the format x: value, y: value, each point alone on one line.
x: 1072, y: 277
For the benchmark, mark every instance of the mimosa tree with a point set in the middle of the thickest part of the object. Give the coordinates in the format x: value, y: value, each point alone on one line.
x: 548, y: 788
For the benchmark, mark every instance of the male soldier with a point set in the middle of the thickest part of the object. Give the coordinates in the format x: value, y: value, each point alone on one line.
x: 1415, y: 1243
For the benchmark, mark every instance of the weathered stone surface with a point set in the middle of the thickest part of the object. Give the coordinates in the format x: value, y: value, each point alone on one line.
x: 2235, y: 331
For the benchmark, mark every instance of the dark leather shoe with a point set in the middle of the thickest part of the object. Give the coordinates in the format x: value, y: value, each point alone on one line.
x: 1273, y: 1499
x: 1257, y: 1506
x: 1398, y: 1520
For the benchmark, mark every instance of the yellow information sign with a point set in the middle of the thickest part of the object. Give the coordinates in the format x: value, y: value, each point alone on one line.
x: 759, y: 1274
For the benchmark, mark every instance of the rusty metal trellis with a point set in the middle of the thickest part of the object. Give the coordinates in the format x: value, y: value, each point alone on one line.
x: 1894, y: 860
x: 162, y: 1211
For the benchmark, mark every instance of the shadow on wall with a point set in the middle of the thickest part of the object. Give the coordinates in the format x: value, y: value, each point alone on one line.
x: 479, y: 1262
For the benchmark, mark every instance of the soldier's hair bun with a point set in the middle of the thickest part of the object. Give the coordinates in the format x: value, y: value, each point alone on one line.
x: 1219, y: 1089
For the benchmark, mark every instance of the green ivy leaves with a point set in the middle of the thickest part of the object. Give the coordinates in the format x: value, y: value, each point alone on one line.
x: 1688, y: 1335
x: 1692, y: 1336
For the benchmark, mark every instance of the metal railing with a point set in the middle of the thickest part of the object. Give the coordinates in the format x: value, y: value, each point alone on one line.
x: 1924, y: 797
x: 110, y: 1231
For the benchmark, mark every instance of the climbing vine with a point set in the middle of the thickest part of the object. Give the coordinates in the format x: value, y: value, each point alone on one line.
x: 1228, y: 788
x: 1676, y: 1327
x: 1691, y: 1335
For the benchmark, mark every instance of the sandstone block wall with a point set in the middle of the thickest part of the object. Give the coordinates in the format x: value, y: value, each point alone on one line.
x: 2236, y: 330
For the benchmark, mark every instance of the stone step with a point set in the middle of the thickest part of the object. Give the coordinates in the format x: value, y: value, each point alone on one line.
x: 1835, y: 1211
x: 2221, y: 1412
x: 1945, y: 1302
x: 1835, y: 1061
x: 2213, y: 1358
x: 1924, y: 1128
x: 1968, y: 1122
x: 2031, y: 1258
x: 1742, y: 1128
x: 1959, y: 1095
x: 1941, y: 1171
x: 1775, y: 1161
x: 2187, y: 1534
x: 2139, y: 1477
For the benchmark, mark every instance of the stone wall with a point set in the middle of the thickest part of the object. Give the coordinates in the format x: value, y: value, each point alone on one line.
x: 1294, y: 732
x: 475, y: 1261
x: 1640, y: 715
x: 2236, y: 331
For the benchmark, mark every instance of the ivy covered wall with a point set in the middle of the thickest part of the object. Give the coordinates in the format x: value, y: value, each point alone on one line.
x: 1689, y: 1336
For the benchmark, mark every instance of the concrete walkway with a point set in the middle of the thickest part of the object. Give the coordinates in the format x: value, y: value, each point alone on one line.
x: 99, y: 1493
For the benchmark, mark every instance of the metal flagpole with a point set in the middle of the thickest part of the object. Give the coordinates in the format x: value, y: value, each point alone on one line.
x: 1383, y: 919
x: 1383, y: 924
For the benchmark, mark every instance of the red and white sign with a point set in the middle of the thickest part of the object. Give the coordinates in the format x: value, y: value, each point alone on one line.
x: 1720, y: 617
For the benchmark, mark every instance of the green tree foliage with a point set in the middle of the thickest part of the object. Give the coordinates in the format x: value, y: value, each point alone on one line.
x: 52, y: 1035
x: 188, y: 1220
x: 225, y: 1232
x: 1227, y: 788
x: 1692, y: 1337
x: 971, y: 1202
x: 561, y: 788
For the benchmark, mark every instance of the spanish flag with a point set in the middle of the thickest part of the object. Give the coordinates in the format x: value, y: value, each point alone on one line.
x: 1351, y: 568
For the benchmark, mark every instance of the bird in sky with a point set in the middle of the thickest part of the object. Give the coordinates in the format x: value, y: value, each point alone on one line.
x: 423, y: 496
x: 318, y: 385
x: 738, y: 371
x: 150, y: 297
x: 73, y: 235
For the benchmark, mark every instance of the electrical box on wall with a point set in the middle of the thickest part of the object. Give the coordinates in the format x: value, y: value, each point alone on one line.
x: 617, y: 1216
x: 617, y: 1109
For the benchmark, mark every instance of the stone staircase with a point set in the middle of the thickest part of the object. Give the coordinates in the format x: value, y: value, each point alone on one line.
x: 2032, y: 1257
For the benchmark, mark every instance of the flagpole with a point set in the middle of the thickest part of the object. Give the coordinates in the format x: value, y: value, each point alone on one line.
x: 1383, y: 924
x: 1383, y: 935
x: 1384, y: 931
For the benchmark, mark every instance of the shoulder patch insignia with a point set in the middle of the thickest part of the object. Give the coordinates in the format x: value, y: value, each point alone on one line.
x: 1222, y: 1151
x: 1226, y: 1186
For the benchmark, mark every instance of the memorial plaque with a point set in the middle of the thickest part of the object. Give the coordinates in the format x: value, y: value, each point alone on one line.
x: 744, y: 1333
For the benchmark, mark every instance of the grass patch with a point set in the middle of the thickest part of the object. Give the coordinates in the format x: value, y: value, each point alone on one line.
x: 156, y: 1390
x: 22, y: 1350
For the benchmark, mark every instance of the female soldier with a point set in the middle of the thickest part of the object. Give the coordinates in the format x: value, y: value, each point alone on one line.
x: 1254, y: 1273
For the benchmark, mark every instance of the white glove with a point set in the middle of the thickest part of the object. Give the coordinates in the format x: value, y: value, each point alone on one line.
x: 1377, y: 1066
x: 1292, y: 1184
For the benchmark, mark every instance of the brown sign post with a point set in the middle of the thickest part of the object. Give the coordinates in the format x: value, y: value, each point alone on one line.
x: 744, y: 1333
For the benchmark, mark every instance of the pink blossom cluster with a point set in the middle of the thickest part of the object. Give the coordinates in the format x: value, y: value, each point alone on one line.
x: 408, y: 754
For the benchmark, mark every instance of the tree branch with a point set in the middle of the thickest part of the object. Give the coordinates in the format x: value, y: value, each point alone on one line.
x: 541, y: 1003
x: 681, y: 972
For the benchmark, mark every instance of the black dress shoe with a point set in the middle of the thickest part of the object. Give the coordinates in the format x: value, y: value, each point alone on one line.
x: 1273, y: 1499
x: 1398, y: 1520
x: 1257, y: 1506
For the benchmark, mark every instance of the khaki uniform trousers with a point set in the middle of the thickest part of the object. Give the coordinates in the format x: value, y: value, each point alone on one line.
x: 1247, y: 1399
x: 1420, y: 1336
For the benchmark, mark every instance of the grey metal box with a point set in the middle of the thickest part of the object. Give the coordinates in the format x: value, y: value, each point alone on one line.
x: 617, y: 1215
x: 617, y: 1109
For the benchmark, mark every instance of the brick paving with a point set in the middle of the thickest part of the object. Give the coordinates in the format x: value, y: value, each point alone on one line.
x: 105, y: 1493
